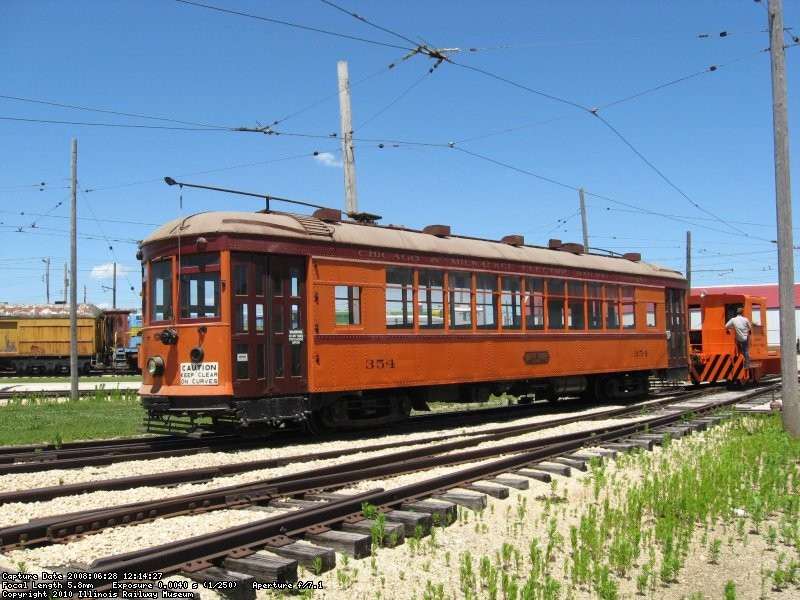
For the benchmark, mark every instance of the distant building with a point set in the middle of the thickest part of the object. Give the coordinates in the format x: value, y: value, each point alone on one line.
x: 768, y: 291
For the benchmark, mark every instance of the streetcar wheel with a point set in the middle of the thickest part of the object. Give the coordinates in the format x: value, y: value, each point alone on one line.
x: 603, y: 389
x: 317, y: 424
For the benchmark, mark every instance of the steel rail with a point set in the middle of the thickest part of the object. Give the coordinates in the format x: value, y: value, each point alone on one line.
x: 63, y: 526
x: 199, y: 551
x: 202, y: 474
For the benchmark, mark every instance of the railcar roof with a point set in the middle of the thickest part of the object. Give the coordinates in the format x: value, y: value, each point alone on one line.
x: 392, y: 238
x: 47, y: 311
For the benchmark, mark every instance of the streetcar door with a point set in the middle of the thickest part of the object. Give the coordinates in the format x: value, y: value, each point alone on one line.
x: 287, y: 370
x: 268, y: 324
x: 248, y: 328
x: 675, y: 305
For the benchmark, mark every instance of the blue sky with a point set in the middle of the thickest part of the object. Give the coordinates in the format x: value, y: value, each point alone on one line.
x: 495, y: 141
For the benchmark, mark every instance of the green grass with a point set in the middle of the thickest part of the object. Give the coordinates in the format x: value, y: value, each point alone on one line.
x: 66, y: 380
x: 107, y: 414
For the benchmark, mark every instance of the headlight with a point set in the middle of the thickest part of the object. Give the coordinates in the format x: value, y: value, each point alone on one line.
x: 155, y: 366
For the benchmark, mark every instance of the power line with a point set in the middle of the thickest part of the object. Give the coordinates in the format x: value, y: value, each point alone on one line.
x: 595, y: 112
x: 588, y: 193
x: 642, y: 38
x: 120, y: 125
x: 111, y: 112
x: 370, y: 23
x: 294, y: 25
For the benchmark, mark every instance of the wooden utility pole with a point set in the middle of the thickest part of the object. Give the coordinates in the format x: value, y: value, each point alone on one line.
x: 114, y: 290
x: 583, y: 222
x: 47, y: 277
x: 73, y: 290
x: 689, y: 261
x: 348, y: 155
x: 783, y: 198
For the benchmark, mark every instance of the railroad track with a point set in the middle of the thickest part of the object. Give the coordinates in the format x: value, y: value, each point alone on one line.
x: 42, y: 457
x: 102, y: 456
x: 198, y: 554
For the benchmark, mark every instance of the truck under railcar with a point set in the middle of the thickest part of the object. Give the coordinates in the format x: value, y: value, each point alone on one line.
x: 259, y: 320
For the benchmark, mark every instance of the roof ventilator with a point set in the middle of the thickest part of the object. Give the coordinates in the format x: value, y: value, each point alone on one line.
x: 573, y: 248
x: 437, y: 230
x: 513, y: 240
x: 327, y: 214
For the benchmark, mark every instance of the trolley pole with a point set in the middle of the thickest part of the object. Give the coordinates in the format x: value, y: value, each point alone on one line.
x: 73, y: 290
x: 783, y: 197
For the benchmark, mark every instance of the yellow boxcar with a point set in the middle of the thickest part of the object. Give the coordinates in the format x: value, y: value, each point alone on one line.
x: 36, y: 338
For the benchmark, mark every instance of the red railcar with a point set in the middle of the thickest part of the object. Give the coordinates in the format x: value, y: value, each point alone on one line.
x: 262, y: 319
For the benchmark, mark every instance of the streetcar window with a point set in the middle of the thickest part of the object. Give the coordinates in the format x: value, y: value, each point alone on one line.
x: 431, y: 299
x: 594, y: 305
x: 261, y: 273
x: 161, y: 291
x: 294, y: 313
x: 756, y: 316
x: 628, y: 308
x: 555, y: 304
x: 695, y: 317
x: 145, y: 289
x: 259, y: 317
x: 240, y: 280
x: 277, y: 281
x: 511, y: 303
x: 399, y: 298
x: 242, y: 321
x: 347, y: 303
x: 199, y: 286
x: 294, y: 281
x: 242, y: 362
x: 650, y: 314
x: 576, y: 305
x: 486, y: 301
x: 534, y: 303
x: 460, y: 295
x: 612, y: 307
x: 297, y: 360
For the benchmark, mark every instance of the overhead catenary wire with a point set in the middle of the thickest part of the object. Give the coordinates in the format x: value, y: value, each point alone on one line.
x: 441, y: 55
x: 368, y: 122
x: 602, y: 197
x: 288, y: 24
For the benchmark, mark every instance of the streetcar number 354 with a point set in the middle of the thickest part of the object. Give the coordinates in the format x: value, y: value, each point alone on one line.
x: 380, y: 363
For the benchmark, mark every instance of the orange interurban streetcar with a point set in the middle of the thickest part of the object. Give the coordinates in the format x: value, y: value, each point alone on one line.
x: 261, y: 320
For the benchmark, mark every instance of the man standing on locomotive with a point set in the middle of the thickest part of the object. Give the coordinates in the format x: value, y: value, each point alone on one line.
x: 741, y: 327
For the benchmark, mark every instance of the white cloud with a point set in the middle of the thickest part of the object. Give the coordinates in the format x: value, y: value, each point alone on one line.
x: 326, y: 159
x: 106, y: 271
